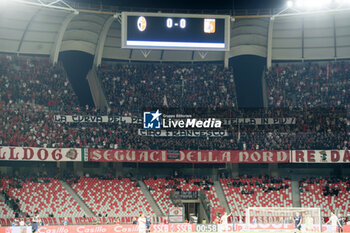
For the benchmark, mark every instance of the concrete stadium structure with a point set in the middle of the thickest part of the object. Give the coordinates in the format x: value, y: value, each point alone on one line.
x: 29, y: 29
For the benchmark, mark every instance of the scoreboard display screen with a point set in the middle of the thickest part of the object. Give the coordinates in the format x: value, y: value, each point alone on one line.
x: 175, y: 31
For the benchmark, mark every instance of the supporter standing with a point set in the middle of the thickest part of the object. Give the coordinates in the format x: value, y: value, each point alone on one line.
x: 35, y: 223
x: 334, y: 222
x: 341, y: 223
x: 297, y: 221
x: 65, y: 222
x: 148, y: 224
x: 142, y: 224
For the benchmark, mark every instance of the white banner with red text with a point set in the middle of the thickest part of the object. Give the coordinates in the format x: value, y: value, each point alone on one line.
x: 81, y: 220
x: 188, y: 156
x: 40, y: 154
x: 320, y: 156
x: 165, y: 228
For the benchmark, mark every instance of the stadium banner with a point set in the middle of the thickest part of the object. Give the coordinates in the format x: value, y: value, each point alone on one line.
x: 259, y: 121
x: 96, y: 119
x: 79, y: 220
x: 109, y: 228
x: 17, y: 229
x: 182, y: 133
x: 216, y: 213
x: 137, y: 156
x: 281, y: 227
x: 188, y: 156
x: 176, y: 214
x: 164, y: 228
x: 40, y: 154
x: 138, y: 120
x: 234, y: 156
x: 186, y: 195
x: 320, y: 156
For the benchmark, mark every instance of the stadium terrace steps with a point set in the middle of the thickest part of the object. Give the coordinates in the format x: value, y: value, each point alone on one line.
x: 221, y: 196
x: 295, y: 193
x: 113, y: 197
x: 248, y: 192
x: 150, y: 199
x: 5, y: 210
x: 76, y: 197
x: 314, y: 194
x: 160, y: 189
x: 42, y: 195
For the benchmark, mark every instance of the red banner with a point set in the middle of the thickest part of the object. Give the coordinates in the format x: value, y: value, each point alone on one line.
x: 188, y: 156
x: 216, y: 212
x: 234, y: 156
x: 184, y: 156
x: 138, y: 156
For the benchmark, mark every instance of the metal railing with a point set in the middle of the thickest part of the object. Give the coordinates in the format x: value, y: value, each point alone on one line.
x: 175, y: 199
x: 205, y: 202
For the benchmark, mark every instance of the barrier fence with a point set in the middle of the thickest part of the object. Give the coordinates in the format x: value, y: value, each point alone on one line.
x: 159, y: 228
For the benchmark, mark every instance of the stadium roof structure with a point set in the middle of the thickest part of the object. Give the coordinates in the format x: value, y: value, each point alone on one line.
x: 39, y: 29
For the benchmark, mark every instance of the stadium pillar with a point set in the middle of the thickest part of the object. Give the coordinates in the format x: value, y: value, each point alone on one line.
x: 269, y: 44
x: 101, y: 41
x: 58, y: 42
x: 7, y: 171
x: 118, y: 169
x: 273, y: 169
x: 61, y: 167
x: 234, y: 168
x: 226, y: 60
x: 78, y: 168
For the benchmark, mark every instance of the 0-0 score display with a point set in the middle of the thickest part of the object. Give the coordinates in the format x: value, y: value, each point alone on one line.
x: 175, y: 31
x: 170, y: 23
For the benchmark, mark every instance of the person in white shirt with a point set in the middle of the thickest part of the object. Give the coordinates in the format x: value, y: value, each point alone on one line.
x: 142, y: 224
x: 309, y: 223
x: 334, y: 222
x: 22, y: 223
x: 224, y: 222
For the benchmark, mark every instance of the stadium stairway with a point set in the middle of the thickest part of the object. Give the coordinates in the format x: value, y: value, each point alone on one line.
x: 76, y: 197
x: 221, y: 195
x: 150, y: 199
x: 5, y: 207
x: 295, y: 193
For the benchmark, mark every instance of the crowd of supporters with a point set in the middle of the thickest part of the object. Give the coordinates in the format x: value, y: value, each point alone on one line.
x: 32, y: 92
x: 134, y: 87
x: 263, y: 182
x: 34, y: 80
x: 309, y: 85
x: 330, y: 186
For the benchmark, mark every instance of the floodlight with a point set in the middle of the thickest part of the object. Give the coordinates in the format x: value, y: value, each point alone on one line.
x: 290, y: 4
x: 343, y: 2
x: 312, y: 4
x: 299, y: 3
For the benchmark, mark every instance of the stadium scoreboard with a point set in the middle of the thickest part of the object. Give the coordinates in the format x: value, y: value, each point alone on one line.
x: 175, y: 31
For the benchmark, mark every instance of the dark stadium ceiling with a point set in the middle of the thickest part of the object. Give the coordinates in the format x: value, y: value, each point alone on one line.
x: 192, y: 4
x: 34, y: 29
